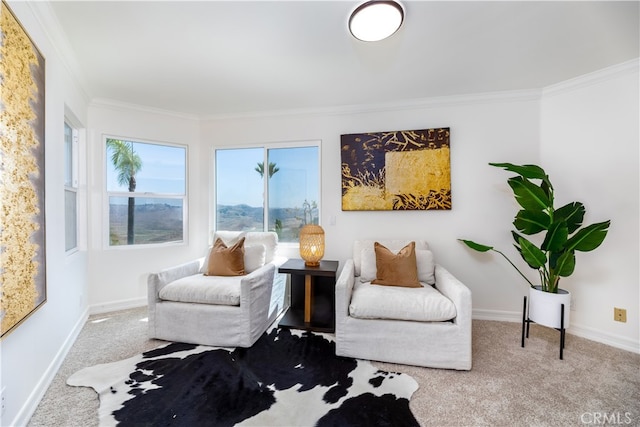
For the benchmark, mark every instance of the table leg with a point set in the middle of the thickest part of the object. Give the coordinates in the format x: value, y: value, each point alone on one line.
x: 308, y: 298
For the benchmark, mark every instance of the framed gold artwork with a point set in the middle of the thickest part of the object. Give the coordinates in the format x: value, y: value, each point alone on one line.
x: 22, y: 217
x: 396, y: 170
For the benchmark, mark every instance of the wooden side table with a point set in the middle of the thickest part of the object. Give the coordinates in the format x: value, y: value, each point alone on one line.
x: 313, y: 292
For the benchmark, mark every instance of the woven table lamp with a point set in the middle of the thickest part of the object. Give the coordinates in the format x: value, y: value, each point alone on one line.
x: 311, y: 244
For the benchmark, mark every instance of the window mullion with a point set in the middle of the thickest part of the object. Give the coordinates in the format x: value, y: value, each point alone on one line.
x: 265, y: 182
x: 74, y: 154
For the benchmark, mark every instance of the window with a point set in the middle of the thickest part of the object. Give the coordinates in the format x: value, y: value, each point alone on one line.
x: 281, y: 196
x: 70, y: 187
x: 146, y: 189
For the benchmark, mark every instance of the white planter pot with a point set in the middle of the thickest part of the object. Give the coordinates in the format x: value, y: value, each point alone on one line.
x: 544, y: 307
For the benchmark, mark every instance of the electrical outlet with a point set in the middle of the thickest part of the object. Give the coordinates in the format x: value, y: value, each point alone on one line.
x: 619, y: 314
x: 3, y: 402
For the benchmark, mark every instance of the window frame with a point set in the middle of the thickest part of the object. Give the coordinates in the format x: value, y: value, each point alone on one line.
x: 73, y: 185
x: 266, y: 146
x: 144, y: 195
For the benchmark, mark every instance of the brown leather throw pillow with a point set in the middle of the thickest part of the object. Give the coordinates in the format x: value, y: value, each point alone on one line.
x: 398, y: 269
x: 224, y: 261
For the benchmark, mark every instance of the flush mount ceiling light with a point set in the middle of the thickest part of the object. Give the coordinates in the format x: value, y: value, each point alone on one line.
x: 376, y: 20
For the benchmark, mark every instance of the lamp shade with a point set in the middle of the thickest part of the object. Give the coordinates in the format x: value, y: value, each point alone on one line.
x: 376, y: 20
x: 311, y: 244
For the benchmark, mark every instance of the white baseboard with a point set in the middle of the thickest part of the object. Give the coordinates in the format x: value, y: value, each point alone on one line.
x: 26, y: 412
x: 612, y: 340
x: 502, y: 316
x: 117, y: 305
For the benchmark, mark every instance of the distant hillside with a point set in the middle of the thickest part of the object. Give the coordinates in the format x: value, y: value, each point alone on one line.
x: 239, y: 217
x: 161, y: 223
x: 244, y: 217
x: 153, y: 223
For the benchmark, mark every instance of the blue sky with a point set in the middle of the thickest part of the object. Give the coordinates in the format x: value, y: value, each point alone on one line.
x: 296, y: 180
x: 163, y: 170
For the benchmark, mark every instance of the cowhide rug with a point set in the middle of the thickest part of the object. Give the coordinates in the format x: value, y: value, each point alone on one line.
x: 287, y: 378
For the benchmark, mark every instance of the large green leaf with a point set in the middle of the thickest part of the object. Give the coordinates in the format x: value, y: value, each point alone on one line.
x: 556, y: 237
x: 527, y: 171
x: 531, y: 222
x: 572, y: 213
x: 565, y: 264
x: 548, y: 190
x: 476, y: 246
x: 531, y: 254
x: 528, y: 195
x: 588, y: 238
x: 516, y: 237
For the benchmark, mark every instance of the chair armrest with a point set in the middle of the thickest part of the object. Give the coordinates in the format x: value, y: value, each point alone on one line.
x: 456, y: 291
x: 156, y: 281
x: 259, y: 280
x: 344, y: 288
x: 255, y: 298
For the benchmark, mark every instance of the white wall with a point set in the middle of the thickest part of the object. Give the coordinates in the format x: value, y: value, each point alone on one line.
x: 590, y: 147
x: 497, y: 127
x: 31, y: 354
x: 118, y: 275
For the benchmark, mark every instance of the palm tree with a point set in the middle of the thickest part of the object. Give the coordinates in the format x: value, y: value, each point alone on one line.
x: 128, y: 164
x: 272, y: 169
x: 308, y: 209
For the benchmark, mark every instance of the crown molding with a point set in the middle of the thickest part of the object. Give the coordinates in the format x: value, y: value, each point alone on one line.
x: 125, y: 106
x: 400, y: 105
x: 593, y: 78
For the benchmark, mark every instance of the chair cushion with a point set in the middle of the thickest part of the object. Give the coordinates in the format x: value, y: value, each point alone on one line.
x: 425, y: 304
x: 218, y: 290
x: 398, y: 269
x: 424, y: 260
x: 226, y: 261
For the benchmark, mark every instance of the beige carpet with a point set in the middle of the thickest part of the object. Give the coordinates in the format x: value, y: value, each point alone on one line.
x: 508, y: 385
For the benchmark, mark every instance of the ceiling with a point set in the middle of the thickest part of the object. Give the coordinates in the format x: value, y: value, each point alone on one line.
x: 210, y: 58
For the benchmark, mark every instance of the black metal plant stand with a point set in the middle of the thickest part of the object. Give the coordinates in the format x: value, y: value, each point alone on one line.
x: 526, y: 322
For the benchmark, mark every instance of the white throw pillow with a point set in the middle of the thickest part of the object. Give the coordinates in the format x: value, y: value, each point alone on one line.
x: 426, y: 266
x: 368, y: 268
x: 424, y: 260
x: 268, y: 239
x: 254, y: 256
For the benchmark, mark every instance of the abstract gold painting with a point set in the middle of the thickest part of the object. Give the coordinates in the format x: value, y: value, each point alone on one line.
x: 396, y: 170
x: 22, y: 216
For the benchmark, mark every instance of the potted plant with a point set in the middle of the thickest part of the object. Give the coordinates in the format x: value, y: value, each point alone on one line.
x: 554, y: 257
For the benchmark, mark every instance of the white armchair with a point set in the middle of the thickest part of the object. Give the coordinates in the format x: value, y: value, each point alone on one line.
x: 428, y: 326
x: 227, y: 311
